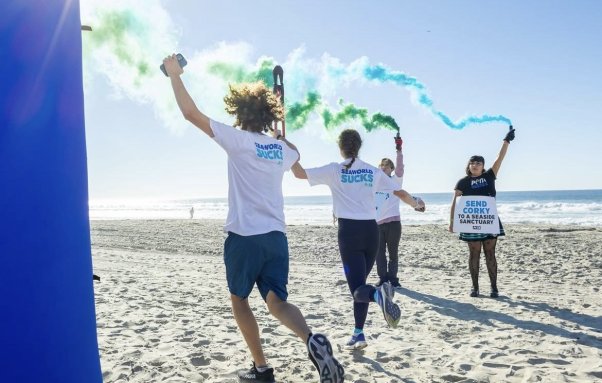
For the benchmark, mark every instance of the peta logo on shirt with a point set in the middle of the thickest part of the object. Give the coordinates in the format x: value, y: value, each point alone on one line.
x: 365, y: 176
x: 272, y: 152
x: 478, y: 183
x: 382, y: 196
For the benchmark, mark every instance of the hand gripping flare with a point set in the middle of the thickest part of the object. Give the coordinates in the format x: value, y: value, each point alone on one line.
x: 278, y: 90
x: 398, y: 141
x: 510, y: 135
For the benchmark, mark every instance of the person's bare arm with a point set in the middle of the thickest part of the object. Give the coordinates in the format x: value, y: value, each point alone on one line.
x: 500, y: 157
x: 185, y: 102
x: 277, y: 134
x: 416, y: 203
x: 298, y: 171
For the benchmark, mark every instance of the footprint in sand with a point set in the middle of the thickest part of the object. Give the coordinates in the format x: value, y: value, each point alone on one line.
x: 220, y: 357
x: 198, y: 360
x: 536, y: 361
x: 201, y: 343
x: 453, y: 378
x: 496, y: 365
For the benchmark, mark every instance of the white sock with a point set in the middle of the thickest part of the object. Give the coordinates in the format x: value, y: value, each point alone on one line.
x: 262, y: 368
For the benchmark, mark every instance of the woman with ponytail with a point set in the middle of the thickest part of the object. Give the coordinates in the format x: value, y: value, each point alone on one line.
x: 353, y: 184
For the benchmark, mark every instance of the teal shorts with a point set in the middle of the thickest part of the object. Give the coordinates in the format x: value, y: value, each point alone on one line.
x: 257, y: 259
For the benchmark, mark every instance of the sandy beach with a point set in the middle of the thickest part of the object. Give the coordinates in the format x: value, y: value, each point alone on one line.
x: 163, y: 311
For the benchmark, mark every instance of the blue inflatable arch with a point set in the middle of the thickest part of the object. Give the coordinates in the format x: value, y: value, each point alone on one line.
x: 47, y: 317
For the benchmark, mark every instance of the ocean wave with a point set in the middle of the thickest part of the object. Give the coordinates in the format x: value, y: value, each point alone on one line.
x: 320, y: 213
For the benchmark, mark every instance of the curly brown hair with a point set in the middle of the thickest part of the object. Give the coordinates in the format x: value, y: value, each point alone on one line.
x: 254, y: 105
x: 350, y: 143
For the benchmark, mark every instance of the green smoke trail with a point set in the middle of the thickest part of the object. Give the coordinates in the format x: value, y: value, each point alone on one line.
x: 383, y: 120
x: 351, y: 112
x: 298, y: 113
x: 238, y: 73
x: 117, y: 29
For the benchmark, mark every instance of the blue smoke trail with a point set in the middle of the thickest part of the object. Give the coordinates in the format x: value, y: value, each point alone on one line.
x: 382, y: 74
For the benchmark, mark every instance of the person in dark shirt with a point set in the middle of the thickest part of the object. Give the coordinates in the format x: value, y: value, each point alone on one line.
x: 479, y: 182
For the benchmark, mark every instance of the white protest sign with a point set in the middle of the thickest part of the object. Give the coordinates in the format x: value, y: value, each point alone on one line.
x: 476, y: 214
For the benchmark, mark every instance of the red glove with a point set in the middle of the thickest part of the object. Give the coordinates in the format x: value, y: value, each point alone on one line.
x: 398, y: 142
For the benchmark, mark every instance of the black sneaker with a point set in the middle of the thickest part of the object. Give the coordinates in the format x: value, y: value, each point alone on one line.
x: 253, y: 375
x: 395, y: 284
x: 474, y: 293
x: 320, y: 353
x: 380, y: 282
x: 494, y: 293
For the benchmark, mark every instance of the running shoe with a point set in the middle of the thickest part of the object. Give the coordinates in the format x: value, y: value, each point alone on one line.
x: 252, y: 375
x: 357, y: 342
x: 320, y: 353
x: 474, y: 293
x: 390, y: 289
x: 391, y: 311
x: 494, y: 293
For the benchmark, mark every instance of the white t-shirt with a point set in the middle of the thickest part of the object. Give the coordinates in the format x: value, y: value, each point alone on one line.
x: 352, y: 190
x: 387, y: 205
x: 256, y: 165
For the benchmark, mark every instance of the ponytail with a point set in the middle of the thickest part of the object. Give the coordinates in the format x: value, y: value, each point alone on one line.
x: 348, y: 166
x: 350, y: 143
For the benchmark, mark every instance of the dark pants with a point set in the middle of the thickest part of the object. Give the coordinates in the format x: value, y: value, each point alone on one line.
x: 390, y: 233
x: 358, y: 243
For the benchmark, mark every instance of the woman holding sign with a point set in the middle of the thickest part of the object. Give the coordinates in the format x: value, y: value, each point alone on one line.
x: 479, y: 182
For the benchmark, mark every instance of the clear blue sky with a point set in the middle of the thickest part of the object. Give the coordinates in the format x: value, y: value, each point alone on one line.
x: 535, y: 62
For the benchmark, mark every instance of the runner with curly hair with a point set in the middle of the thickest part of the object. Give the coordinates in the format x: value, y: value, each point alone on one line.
x: 256, y: 249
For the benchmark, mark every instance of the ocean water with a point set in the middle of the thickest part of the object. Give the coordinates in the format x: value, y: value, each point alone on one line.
x: 566, y: 207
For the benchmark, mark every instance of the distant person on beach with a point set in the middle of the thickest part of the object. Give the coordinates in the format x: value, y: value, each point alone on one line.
x: 389, y: 221
x: 353, y: 184
x: 191, y: 212
x: 479, y: 182
x: 256, y: 249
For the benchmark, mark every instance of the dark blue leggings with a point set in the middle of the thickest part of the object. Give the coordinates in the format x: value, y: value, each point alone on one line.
x: 358, y: 244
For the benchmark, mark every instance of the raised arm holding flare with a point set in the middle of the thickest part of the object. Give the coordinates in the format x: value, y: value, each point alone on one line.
x: 479, y: 182
x: 389, y: 220
x: 256, y: 249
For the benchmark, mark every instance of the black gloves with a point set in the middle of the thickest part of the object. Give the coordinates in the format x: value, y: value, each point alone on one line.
x: 510, y: 135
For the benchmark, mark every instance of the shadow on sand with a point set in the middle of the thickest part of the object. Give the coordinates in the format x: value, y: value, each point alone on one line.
x: 470, y: 312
